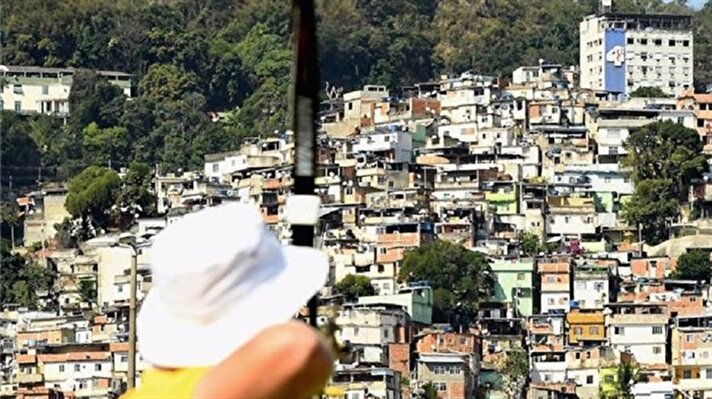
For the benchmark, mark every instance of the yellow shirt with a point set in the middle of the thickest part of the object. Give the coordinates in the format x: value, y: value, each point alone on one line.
x: 167, y: 384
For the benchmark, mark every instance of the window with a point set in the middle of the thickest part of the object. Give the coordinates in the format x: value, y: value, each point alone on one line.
x: 120, y: 288
x: 687, y: 374
x: 593, y: 330
x: 386, y: 334
x: 589, y: 379
x: 440, y: 386
x: 351, y: 106
x: 606, y: 179
x: 658, y: 42
x: 643, y: 41
x: 608, y: 378
x: 520, y: 276
x: 708, y: 374
x: 381, y: 268
x: 566, y: 219
x: 550, y: 279
x: 61, y: 368
x: 578, y: 355
x: 689, y: 338
x: 83, y: 384
x: 97, y: 367
x: 17, y: 89
x: 618, y: 330
x: 356, y: 331
x: 657, y: 330
x: 124, y: 358
x: 550, y: 301
x: 685, y: 43
x: 630, y: 40
x: 671, y: 43
x: 578, y: 330
x: 657, y: 350
x: 76, y: 367
x: 216, y: 168
x: 18, y: 106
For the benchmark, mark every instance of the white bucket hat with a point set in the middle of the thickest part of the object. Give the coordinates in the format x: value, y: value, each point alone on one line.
x: 220, y: 277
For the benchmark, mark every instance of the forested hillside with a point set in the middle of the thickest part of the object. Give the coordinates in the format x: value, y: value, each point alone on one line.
x: 194, y: 56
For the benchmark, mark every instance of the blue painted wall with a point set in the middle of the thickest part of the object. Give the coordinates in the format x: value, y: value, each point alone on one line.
x: 614, y: 72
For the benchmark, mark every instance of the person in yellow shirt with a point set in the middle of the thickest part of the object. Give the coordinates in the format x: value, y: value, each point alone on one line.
x: 216, y: 321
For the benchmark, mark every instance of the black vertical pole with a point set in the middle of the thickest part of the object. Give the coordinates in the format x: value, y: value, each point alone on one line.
x: 304, y: 104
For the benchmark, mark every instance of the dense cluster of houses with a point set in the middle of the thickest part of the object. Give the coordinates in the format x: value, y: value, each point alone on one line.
x: 462, y: 159
x: 469, y: 159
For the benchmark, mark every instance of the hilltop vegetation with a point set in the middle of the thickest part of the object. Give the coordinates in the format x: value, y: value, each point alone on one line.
x: 234, y: 56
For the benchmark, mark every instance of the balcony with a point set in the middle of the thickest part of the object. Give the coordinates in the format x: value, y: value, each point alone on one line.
x: 33, y: 378
x: 492, y: 196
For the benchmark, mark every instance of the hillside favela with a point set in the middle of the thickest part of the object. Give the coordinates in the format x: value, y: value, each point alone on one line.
x: 515, y: 196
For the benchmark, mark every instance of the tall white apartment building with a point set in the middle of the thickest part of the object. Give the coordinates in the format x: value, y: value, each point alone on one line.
x: 621, y: 52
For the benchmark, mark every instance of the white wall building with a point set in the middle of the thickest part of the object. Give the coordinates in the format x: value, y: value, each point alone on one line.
x: 398, y: 143
x: 31, y: 89
x: 77, y: 371
x: 643, y: 335
x: 620, y: 53
x: 218, y: 166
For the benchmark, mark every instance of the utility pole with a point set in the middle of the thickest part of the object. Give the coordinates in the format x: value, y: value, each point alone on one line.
x: 131, y: 378
x: 304, y: 106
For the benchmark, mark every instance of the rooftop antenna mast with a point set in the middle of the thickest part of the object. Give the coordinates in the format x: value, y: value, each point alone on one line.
x: 303, y: 206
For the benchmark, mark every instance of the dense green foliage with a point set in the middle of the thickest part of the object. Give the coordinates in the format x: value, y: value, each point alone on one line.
x: 514, y: 367
x: 20, y: 280
x: 191, y: 57
x: 694, y: 265
x: 92, y: 193
x: 663, y: 157
x: 652, y: 207
x: 649, y: 92
x: 666, y: 150
x: 460, y: 278
x: 353, y: 286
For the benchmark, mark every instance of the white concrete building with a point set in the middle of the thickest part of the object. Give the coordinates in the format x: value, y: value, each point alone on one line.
x: 638, y: 329
x: 396, y: 146
x: 220, y: 166
x: 620, y: 53
x: 80, y: 372
x: 31, y: 89
x: 591, y: 287
x: 370, y: 329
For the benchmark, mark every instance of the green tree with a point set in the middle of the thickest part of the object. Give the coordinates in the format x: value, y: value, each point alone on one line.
x: 92, y: 194
x: 88, y: 98
x: 353, y: 286
x: 530, y: 242
x: 104, y: 146
x: 87, y: 291
x: 21, y: 158
x: 135, y: 197
x: 666, y: 151
x: 654, y: 92
x: 460, y: 278
x: 627, y: 374
x: 652, y: 206
x: 702, y: 24
x: 693, y: 265
x: 167, y: 82
x: 514, y: 368
x: 20, y: 280
x: 429, y: 391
